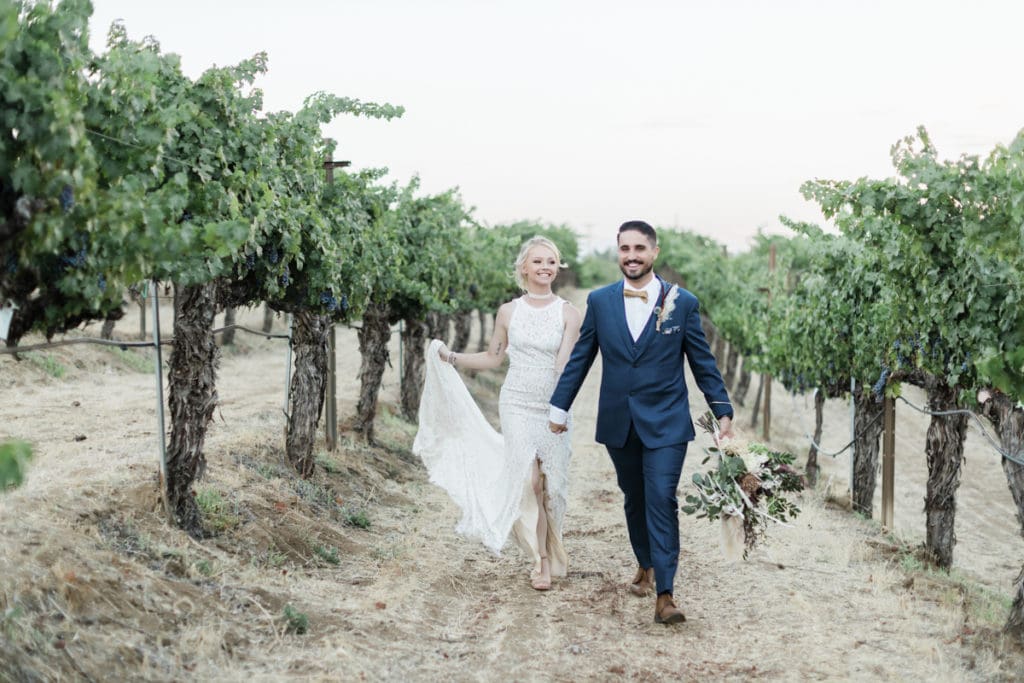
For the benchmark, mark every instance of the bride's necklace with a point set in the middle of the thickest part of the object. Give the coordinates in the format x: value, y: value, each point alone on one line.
x: 531, y: 295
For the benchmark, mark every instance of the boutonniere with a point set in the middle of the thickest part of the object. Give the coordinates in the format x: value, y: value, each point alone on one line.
x: 664, y: 308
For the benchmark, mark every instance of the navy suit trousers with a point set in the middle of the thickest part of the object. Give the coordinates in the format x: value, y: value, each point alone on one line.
x: 649, y: 478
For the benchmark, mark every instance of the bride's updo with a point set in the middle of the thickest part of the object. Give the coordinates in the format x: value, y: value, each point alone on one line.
x: 524, y: 251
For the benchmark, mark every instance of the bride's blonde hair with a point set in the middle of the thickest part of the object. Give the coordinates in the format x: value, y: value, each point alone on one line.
x: 524, y: 251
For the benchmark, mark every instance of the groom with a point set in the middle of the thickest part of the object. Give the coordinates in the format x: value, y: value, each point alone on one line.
x: 643, y: 328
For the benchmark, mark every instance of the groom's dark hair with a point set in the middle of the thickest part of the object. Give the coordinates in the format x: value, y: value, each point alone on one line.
x: 643, y: 228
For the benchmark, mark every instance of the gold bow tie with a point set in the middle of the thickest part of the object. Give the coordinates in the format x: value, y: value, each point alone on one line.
x: 638, y: 293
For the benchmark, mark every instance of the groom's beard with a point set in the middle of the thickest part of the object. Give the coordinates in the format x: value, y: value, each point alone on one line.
x: 644, y: 269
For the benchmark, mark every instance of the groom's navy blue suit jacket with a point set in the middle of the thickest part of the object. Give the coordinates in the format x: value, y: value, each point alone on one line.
x: 643, y: 382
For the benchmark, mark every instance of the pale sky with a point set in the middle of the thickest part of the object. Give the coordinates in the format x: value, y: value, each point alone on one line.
x: 706, y: 116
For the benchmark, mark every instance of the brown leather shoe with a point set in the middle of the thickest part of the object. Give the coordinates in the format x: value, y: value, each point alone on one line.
x: 643, y: 582
x: 666, y: 612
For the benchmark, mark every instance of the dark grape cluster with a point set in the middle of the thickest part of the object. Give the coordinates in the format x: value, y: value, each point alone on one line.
x: 76, y: 260
x: 333, y: 304
x: 473, y: 289
x: 795, y: 381
x: 186, y: 216
x: 102, y: 283
x: 878, y: 388
x: 273, y: 255
x: 250, y: 261
x: 966, y: 363
x: 67, y: 198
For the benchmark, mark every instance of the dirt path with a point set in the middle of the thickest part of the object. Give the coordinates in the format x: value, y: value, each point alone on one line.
x: 93, y: 584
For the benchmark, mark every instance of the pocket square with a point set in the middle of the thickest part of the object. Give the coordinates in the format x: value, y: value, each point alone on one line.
x: 672, y: 330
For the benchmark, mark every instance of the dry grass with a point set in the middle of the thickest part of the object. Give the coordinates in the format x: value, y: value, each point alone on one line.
x: 362, y: 558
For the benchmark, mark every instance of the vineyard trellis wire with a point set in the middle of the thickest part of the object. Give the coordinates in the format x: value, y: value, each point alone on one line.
x: 156, y: 343
x: 1017, y: 458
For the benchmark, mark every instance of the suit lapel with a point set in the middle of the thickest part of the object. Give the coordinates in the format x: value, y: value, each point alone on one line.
x: 619, y: 315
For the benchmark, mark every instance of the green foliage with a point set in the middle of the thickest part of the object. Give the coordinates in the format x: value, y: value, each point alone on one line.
x: 599, y: 268
x: 294, y: 621
x: 922, y: 280
x: 328, y: 554
x: 329, y: 464
x: 493, y: 254
x: 47, y: 363
x: 118, y: 168
x: 138, y: 362
x: 219, y: 515
x: 357, y: 518
x: 748, y: 484
x: 14, y: 459
x: 936, y: 299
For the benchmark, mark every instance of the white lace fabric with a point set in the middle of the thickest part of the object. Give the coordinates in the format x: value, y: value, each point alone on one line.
x: 485, y: 473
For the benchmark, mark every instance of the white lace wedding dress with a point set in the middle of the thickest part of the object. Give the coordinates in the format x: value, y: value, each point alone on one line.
x: 487, y: 474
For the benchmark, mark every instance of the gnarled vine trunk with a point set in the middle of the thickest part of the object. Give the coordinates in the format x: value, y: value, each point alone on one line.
x: 1008, y: 420
x: 107, y: 331
x: 756, y: 412
x: 867, y: 429
x: 709, y: 329
x: 719, y: 351
x: 482, y: 343
x: 268, y: 318
x: 192, y: 399
x: 310, y: 335
x: 438, y: 326
x: 228, y: 335
x: 414, y: 339
x: 374, y: 334
x: 732, y: 359
x: 463, y: 325
x: 1015, y: 621
x: 812, y: 467
x: 743, y: 385
x: 944, y: 448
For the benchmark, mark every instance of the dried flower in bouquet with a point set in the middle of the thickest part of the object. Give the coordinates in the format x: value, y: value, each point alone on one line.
x: 746, y: 490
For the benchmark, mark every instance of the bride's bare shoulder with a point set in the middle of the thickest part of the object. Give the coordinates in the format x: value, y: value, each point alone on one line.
x: 505, y: 310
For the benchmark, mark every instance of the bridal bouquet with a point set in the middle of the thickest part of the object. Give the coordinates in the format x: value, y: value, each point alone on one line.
x: 746, y: 491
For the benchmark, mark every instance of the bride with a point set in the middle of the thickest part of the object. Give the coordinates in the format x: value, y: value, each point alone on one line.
x: 517, y: 480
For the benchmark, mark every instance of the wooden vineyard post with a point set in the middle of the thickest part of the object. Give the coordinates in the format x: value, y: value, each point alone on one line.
x: 767, y: 376
x: 160, y: 419
x: 888, y: 461
x: 332, y: 392
x: 331, y: 411
x: 288, y: 378
x: 142, y: 313
x: 853, y: 433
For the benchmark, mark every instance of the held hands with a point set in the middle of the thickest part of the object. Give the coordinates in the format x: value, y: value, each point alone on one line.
x: 557, y: 428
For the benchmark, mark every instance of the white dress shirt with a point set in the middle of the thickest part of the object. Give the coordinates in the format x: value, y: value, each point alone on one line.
x: 638, y: 312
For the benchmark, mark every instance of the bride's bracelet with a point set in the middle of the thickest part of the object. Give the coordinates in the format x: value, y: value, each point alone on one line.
x: 451, y: 358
